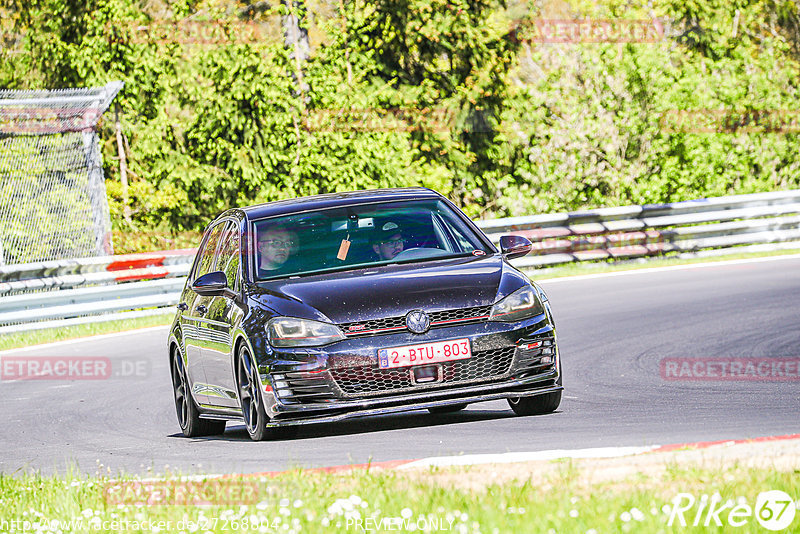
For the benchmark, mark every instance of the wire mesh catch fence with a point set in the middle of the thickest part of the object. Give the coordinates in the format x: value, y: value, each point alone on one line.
x: 53, y: 201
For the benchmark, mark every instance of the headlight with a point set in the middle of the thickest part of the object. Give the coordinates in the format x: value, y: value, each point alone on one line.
x: 521, y: 304
x: 294, y: 332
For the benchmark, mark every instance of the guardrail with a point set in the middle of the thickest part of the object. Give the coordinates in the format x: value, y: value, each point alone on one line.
x: 66, y: 292
x: 690, y: 227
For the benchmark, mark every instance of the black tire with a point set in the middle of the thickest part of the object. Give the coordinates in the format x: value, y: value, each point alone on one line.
x: 188, y: 415
x: 537, y: 404
x: 439, y: 410
x: 250, y: 398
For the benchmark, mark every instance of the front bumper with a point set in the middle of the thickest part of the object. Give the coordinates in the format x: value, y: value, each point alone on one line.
x: 343, y: 380
x: 405, y: 404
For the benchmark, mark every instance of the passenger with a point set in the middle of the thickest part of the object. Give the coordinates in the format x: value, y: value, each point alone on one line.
x: 387, y: 241
x: 275, y: 246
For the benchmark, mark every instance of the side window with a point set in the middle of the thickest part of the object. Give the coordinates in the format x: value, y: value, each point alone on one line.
x: 228, y: 257
x: 462, y: 241
x: 207, y: 253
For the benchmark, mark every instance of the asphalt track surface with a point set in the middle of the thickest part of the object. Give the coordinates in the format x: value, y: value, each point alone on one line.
x: 613, y: 333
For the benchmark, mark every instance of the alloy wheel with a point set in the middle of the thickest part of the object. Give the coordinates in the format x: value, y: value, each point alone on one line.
x: 248, y: 392
x: 181, y: 386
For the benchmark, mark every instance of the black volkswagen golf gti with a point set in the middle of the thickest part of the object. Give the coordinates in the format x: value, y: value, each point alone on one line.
x: 342, y: 305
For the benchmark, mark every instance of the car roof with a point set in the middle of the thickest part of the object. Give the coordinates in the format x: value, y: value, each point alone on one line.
x: 334, y: 200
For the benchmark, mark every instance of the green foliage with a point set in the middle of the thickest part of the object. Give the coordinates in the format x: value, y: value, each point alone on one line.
x: 592, y: 117
x: 416, y: 92
x: 452, y: 55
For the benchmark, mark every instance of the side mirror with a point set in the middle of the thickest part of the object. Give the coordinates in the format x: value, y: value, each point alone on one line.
x: 514, y: 246
x: 211, y: 284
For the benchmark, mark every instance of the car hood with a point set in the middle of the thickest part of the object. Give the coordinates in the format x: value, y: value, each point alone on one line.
x: 392, y: 290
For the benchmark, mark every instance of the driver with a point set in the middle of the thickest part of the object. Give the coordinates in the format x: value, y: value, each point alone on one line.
x: 275, y: 245
x: 388, y: 240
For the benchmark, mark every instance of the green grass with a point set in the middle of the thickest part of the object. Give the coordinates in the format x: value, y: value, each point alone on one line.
x: 576, y: 269
x: 319, y: 502
x: 24, y: 339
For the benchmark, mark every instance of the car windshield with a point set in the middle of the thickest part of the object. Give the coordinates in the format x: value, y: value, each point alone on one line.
x: 360, y: 236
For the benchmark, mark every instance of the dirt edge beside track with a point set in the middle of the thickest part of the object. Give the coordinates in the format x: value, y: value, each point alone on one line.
x: 645, y: 470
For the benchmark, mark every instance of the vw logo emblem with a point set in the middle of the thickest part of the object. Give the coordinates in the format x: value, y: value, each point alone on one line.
x: 417, y: 321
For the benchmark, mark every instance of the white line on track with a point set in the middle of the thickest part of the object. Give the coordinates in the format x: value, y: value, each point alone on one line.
x: 663, y: 269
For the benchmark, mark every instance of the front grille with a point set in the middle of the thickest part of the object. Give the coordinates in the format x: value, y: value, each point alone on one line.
x: 367, y: 380
x: 463, y: 315
x: 376, y: 326
x: 360, y: 380
x: 438, y: 319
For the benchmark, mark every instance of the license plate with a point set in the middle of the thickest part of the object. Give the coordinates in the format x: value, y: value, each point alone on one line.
x: 436, y: 352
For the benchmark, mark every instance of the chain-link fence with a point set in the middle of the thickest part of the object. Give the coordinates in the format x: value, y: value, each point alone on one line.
x: 52, y: 192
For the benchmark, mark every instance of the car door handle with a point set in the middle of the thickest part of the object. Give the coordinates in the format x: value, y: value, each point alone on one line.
x: 183, y: 306
x: 201, y: 309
